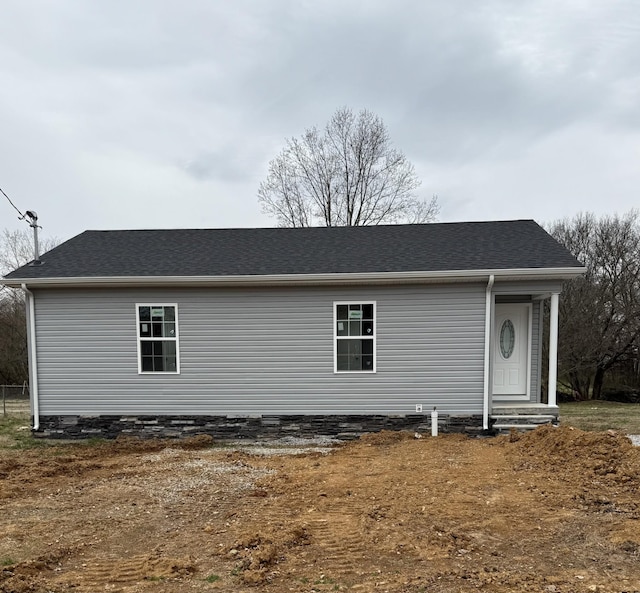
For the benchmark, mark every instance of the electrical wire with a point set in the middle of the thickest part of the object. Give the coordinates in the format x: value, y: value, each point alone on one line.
x: 10, y: 202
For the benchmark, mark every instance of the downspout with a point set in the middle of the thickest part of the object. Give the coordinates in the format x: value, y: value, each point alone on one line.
x: 33, y: 361
x: 487, y: 347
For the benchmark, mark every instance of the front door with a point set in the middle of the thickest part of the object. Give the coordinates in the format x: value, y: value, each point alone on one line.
x: 511, y: 351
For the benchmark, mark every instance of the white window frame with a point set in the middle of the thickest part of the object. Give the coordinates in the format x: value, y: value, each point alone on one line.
x: 336, y: 337
x: 141, y: 339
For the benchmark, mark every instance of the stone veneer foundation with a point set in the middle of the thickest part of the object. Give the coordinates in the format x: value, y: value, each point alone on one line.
x: 234, y: 427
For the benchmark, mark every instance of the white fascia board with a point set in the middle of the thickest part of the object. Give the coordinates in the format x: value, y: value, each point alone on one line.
x: 307, y: 279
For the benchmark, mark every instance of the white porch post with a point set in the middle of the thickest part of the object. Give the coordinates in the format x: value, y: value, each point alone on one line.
x: 553, y: 349
x: 487, y: 349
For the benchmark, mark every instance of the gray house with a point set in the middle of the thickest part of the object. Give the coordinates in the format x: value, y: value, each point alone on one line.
x: 248, y: 332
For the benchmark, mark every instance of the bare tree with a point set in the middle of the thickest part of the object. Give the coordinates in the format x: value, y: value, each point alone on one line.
x: 346, y: 175
x: 16, y: 249
x: 13, y: 341
x: 600, y: 311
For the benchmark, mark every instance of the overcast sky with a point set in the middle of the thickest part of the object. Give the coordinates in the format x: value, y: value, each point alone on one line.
x: 158, y: 113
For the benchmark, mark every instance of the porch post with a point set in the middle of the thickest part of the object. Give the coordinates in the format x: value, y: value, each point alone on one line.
x: 488, y: 310
x: 553, y: 349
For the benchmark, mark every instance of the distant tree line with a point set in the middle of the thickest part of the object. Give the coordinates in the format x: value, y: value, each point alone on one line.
x: 16, y: 249
x: 599, y: 330
x: 13, y: 339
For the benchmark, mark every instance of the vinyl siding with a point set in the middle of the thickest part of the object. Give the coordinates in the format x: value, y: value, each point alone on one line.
x: 535, y: 352
x: 527, y: 287
x: 261, y: 351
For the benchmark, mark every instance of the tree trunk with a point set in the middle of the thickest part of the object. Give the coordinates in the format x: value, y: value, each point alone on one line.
x: 598, y: 381
x: 580, y: 386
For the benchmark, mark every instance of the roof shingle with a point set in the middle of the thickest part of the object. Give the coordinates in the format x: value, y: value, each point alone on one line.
x: 269, y: 251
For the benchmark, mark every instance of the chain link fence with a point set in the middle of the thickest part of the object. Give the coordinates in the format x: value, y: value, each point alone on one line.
x: 15, y: 400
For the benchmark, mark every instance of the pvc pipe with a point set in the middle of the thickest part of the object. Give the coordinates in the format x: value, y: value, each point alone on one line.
x: 33, y: 361
x: 434, y: 422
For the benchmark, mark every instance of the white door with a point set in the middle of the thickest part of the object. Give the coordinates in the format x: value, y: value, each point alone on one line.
x: 511, y: 350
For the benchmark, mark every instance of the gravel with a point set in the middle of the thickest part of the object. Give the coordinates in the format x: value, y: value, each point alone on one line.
x: 286, y: 445
x: 279, y: 451
x: 176, y: 473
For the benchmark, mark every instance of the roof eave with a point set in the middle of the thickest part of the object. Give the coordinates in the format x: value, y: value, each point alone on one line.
x: 305, y: 279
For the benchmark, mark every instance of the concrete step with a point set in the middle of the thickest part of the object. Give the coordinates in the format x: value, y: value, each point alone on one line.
x: 524, y: 416
x: 507, y: 427
x: 524, y: 419
x: 524, y: 409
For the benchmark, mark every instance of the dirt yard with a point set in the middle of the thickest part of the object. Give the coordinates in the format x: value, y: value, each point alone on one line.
x: 557, y: 510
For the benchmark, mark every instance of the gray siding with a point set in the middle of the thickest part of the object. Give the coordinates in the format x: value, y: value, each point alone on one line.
x: 261, y: 351
x: 527, y: 287
x: 535, y: 352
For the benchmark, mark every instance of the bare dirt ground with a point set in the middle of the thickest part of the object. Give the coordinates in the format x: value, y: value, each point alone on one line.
x: 555, y: 510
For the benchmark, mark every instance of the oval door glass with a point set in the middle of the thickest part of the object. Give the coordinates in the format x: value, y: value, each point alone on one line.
x: 507, y: 338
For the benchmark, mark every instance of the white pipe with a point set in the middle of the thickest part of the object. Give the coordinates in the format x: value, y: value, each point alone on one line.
x: 553, y: 349
x: 33, y: 362
x: 434, y: 422
x: 487, y: 348
x: 36, y: 247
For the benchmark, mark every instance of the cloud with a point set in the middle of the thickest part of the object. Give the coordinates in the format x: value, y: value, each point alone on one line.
x: 134, y: 114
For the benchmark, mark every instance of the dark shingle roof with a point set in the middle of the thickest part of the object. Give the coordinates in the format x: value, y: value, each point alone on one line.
x: 230, y: 252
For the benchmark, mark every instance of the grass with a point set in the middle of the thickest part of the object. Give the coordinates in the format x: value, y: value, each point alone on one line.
x: 601, y: 415
x: 323, y: 580
x: 212, y: 578
x: 15, y: 433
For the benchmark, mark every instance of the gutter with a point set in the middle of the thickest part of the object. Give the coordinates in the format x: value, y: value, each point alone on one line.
x: 33, y: 360
x: 308, y: 279
x: 487, y: 347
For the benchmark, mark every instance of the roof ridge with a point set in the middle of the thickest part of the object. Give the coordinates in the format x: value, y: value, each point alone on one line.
x: 377, y: 226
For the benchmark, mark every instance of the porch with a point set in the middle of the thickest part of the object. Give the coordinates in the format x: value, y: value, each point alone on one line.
x: 513, y: 363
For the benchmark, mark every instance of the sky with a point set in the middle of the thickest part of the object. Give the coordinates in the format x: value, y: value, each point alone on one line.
x: 165, y: 114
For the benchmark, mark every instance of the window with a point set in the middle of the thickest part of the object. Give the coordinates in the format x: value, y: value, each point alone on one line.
x: 355, y: 337
x: 507, y: 339
x: 158, y: 339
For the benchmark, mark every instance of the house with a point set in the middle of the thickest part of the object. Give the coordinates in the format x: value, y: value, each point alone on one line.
x: 251, y: 332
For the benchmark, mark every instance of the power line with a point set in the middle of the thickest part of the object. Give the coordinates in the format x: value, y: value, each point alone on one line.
x: 10, y: 202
